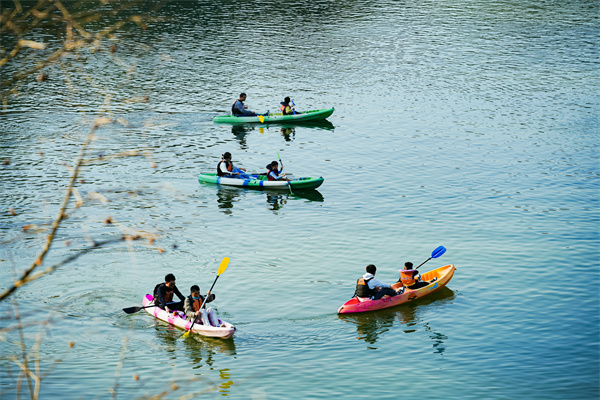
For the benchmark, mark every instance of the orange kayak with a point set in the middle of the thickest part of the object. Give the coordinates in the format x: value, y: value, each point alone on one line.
x: 359, y: 304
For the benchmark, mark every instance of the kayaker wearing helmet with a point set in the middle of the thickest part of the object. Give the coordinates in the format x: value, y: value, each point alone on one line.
x: 286, y: 108
x: 238, y: 108
x: 226, y: 168
x: 163, y: 294
x: 411, y: 278
x: 273, y: 173
x: 192, y: 307
x: 370, y: 287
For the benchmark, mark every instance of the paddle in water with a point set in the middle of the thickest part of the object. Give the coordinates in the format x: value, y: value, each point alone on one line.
x: 435, y: 254
x: 289, y: 183
x: 131, y: 310
x: 222, y: 269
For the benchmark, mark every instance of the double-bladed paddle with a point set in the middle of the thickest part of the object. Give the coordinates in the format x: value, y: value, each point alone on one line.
x: 222, y: 269
x: 435, y: 254
x: 131, y: 310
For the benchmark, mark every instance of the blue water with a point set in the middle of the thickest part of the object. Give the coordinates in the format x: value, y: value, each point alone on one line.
x: 468, y: 125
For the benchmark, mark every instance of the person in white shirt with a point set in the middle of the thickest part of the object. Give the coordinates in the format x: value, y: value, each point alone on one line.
x: 370, y: 287
x: 226, y: 168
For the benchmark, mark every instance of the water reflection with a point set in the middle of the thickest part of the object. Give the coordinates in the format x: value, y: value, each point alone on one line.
x: 323, y: 124
x: 201, y: 351
x: 226, y: 196
x: 288, y: 130
x: 288, y: 134
x: 369, y: 326
x: 312, y: 195
x: 240, y: 132
x: 276, y: 199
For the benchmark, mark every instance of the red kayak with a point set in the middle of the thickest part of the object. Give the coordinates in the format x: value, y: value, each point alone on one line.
x: 359, y: 304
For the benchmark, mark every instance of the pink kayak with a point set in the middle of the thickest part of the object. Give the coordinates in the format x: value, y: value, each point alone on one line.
x: 225, y: 330
x: 359, y: 304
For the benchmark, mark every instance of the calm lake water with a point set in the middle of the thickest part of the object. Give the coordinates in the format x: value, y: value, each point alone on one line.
x: 472, y: 125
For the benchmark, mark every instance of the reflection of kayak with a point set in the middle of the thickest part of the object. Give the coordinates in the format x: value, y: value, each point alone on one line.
x: 357, y: 304
x: 313, y: 115
x: 261, y: 182
x: 224, y: 332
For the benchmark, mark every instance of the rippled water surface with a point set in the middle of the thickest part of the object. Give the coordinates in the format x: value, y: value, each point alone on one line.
x: 472, y: 125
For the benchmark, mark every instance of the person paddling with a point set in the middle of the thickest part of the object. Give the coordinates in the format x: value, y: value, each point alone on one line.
x: 287, y: 108
x: 226, y: 168
x: 369, y: 287
x: 274, y: 173
x: 192, y: 307
x: 238, y: 108
x: 411, y: 278
x: 163, y: 294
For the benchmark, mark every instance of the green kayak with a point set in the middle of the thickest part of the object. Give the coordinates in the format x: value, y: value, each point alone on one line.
x: 261, y: 182
x: 314, y: 115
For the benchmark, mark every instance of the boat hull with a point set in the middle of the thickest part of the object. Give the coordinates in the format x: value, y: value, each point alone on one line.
x: 443, y: 275
x: 224, y: 332
x: 276, y: 118
x: 261, y: 182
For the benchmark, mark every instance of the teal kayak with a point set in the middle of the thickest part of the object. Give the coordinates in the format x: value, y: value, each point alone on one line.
x: 314, y: 115
x: 258, y: 181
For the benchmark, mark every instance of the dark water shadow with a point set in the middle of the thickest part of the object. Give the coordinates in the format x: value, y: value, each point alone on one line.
x: 240, y: 132
x: 371, y: 325
x: 320, y: 124
x: 226, y: 196
x: 287, y: 130
x: 276, y: 199
x: 202, y: 352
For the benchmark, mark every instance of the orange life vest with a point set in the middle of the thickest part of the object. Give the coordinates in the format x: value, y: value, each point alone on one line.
x: 407, y: 277
x: 195, y: 304
x: 168, y: 295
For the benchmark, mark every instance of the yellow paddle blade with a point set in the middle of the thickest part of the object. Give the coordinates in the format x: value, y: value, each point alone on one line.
x: 261, y: 118
x: 187, y: 333
x: 223, y: 265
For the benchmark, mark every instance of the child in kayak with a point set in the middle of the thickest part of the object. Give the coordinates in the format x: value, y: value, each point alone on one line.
x: 411, y: 278
x: 287, y: 108
x: 369, y: 287
x: 192, y: 307
x: 274, y: 173
x: 226, y: 168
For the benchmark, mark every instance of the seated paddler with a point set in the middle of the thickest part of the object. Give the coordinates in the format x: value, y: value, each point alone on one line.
x: 411, y: 278
x: 163, y: 295
x: 226, y: 168
x: 192, y: 307
x: 370, y: 287
x: 287, y: 107
x: 238, y: 108
x: 274, y: 173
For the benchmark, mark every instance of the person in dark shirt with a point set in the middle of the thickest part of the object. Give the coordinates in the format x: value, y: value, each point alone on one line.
x: 238, y: 108
x: 164, y: 292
